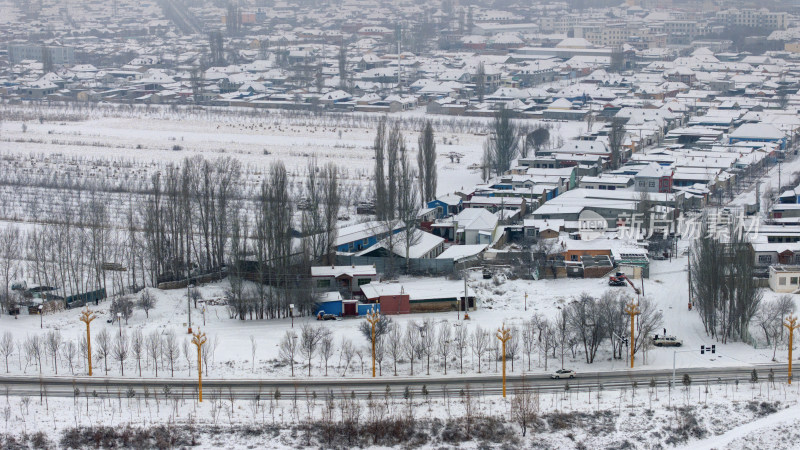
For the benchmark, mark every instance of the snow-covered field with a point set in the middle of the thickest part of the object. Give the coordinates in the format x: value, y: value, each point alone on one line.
x: 497, y: 305
x: 145, y: 137
x: 697, y: 416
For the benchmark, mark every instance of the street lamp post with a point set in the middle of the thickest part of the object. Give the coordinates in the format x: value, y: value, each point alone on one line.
x: 373, y: 317
x: 198, y: 339
x: 632, y: 310
x: 791, y: 323
x: 291, y: 313
x: 87, y: 317
x: 526, y: 301
x: 119, y: 319
x: 504, y: 334
x: 674, y: 354
x: 41, y: 321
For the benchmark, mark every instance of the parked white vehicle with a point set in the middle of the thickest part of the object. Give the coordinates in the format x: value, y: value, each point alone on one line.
x: 666, y: 341
x: 563, y: 373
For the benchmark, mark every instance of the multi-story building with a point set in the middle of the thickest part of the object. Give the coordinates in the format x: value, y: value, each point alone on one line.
x: 756, y: 18
x: 610, y: 35
x: 61, y: 55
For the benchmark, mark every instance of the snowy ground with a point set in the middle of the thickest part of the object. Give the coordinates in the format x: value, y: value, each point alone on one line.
x: 760, y: 415
x: 497, y: 305
x: 256, y: 140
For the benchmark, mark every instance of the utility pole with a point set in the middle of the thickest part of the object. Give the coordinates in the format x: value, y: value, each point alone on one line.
x: 689, y: 273
x: 87, y: 317
x: 791, y: 323
x: 199, y: 339
x: 504, y: 334
x: 188, y: 284
x: 372, y: 318
x: 632, y: 310
x: 466, y: 299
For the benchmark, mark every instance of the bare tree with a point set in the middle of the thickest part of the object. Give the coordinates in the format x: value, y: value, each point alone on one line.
x: 121, y: 351
x: 725, y: 293
x: 10, y: 252
x: 612, y: 315
x: 69, y: 352
x: 528, y: 339
x: 379, y: 147
x: 395, y: 147
x: 382, y: 328
x: 538, y: 138
x: 587, y: 324
x: 395, y: 345
x: 342, y: 65
x: 380, y: 353
x: 34, y: 350
x: 288, y: 348
x: 502, y: 145
x: 428, y: 339
x: 326, y: 347
x: 563, y: 334
x: 525, y: 407
x: 104, y: 347
x: 171, y: 350
x: 480, y: 344
x: 122, y: 305
x: 411, y: 343
x: 426, y: 163
x: 7, y: 346
x: 616, y: 137
x: 346, y: 355
x: 444, y: 344
x: 332, y: 201
x: 408, y: 205
x: 208, y: 352
x: 138, y: 348
x: 253, y: 347
x: 461, y: 342
x: 769, y: 319
x: 480, y: 81
x: 146, y: 302
x: 513, y: 346
x: 154, y: 349
x: 187, y: 355
x: 53, y: 341
x: 648, y: 323
x: 310, y: 337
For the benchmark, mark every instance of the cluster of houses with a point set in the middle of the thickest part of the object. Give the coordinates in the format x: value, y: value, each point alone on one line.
x: 701, y: 118
x: 448, y: 59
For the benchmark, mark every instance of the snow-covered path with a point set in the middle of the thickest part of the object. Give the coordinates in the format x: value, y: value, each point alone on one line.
x: 789, y: 416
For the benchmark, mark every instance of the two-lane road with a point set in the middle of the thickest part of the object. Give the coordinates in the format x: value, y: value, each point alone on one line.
x: 486, y: 384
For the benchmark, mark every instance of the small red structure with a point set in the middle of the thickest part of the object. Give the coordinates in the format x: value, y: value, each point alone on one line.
x: 395, y: 304
x: 350, y: 308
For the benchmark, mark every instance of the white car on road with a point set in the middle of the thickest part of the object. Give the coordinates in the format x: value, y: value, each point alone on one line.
x: 563, y: 373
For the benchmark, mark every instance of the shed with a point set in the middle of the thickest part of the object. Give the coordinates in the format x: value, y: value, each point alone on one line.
x: 330, y: 303
x: 784, y: 279
x: 395, y: 304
